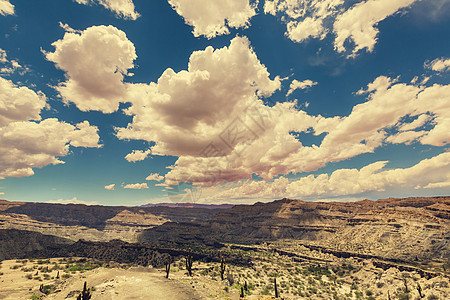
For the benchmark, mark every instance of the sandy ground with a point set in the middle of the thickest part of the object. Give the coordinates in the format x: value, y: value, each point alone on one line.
x: 135, y: 283
x: 340, y: 278
x: 109, y: 283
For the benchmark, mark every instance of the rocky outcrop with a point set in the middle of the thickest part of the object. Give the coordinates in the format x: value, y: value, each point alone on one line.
x: 20, y: 244
x: 397, y: 229
x: 97, y: 223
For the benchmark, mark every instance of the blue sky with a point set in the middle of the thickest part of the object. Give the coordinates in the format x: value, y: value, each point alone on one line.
x: 125, y: 102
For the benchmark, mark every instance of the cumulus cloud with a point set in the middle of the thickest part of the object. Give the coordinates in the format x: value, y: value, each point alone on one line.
x: 95, y: 61
x: 304, y: 19
x: 183, y: 112
x: 154, y: 177
x: 358, y: 23
x: 295, y: 84
x: 136, y: 186
x: 137, y: 155
x: 19, y: 103
x: 439, y: 64
x: 428, y: 173
x: 110, y: 187
x: 26, y: 142
x: 6, y: 8
x: 215, y: 17
x: 74, y: 200
x: 393, y: 113
x: 213, y: 119
x: 26, y: 145
x: 122, y: 8
x: 315, y: 19
x: 371, y: 123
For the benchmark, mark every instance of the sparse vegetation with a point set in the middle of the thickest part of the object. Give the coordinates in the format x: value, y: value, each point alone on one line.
x: 85, y: 294
x: 189, y: 262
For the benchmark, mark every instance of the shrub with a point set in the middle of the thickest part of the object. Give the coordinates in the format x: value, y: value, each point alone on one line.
x: 404, y: 296
x: 230, y: 279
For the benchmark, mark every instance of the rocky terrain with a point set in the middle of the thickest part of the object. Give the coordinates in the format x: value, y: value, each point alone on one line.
x: 385, y: 249
x: 407, y: 229
x: 96, y: 223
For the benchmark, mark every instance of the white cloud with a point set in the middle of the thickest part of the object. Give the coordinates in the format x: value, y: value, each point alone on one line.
x: 212, y: 118
x: 74, y: 200
x: 155, y: 177
x: 3, y: 55
x: 419, y: 122
x: 316, y: 18
x: 304, y: 19
x: 123, y: 8
x: 366, y: 127
x: 183, y: 112
x: 295, y: 84
x: 26, y: 144
x: 95, y: 61
x: 275, y: 151
x: 214, y: 17
x: 6, y: 8
x: 137, y: 155
x: 19, y: 103
x: 136, y: 186
x: 110, y: 187
x: 10, y: 66
x: 307, y: 28
x: 358, y: 23
x: 429, y: 173
x: 439, y: 64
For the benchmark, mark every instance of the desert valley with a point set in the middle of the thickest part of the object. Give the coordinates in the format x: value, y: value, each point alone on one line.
x: 385, y: 249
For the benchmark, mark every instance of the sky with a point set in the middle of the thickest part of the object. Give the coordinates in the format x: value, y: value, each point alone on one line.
x: 127, y: 102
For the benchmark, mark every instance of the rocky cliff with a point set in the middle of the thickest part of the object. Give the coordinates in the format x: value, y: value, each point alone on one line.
x: 397, y: 228
x: 96, y: 223
x: 410, y: 228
